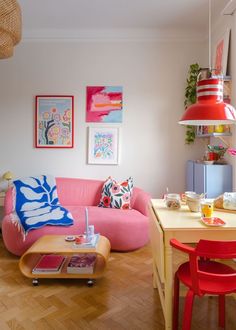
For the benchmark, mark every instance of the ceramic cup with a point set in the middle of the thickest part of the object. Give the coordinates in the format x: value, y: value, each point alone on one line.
x: 193, y: 201
x: 187, y: 193
x: 194, y: 205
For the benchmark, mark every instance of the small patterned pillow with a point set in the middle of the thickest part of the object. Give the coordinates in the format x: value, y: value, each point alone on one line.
x: 116, y: 195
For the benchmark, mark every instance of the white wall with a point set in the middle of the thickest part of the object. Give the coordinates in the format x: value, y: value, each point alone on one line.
x: 153, y: 76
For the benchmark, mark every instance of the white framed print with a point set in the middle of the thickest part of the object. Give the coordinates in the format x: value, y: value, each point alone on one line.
x: 103, y: 145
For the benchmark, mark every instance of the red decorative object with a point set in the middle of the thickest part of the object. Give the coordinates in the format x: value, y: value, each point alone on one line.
x: 204, y: 276
x: 212, y: 156
x: 209, y: 108
x: 80, y: 239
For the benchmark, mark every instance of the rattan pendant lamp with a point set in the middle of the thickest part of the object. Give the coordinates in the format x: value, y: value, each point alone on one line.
x: 10, y: 27
x: 210, y: 108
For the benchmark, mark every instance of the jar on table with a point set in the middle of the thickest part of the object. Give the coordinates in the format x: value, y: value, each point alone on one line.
x: 173, y: 201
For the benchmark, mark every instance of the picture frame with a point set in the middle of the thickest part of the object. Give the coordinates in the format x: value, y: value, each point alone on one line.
x: 221, y: 54
x: 103, y: 145
x: 54, y: 121
x: 104, y: 104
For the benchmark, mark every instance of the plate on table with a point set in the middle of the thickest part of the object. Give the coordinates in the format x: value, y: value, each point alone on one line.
x: 70, y: 238
x: 214, y: 221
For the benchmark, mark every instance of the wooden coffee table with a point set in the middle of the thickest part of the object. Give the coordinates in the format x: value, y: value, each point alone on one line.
x: 57, y: 244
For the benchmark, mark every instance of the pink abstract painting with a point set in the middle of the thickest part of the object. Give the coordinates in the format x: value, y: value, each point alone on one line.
x: 219, y: 56
x: 104, y: 104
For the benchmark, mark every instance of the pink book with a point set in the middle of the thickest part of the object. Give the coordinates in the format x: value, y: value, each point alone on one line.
x: 49, y: 262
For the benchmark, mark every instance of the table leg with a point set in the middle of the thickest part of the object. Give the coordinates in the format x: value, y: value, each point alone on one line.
x: 154, y: 276
x: 168, y: 287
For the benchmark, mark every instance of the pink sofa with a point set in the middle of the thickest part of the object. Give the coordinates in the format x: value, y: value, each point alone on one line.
x: 126, y: 229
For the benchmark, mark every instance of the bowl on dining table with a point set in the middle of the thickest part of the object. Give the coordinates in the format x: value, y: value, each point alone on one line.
x: 194, y: 202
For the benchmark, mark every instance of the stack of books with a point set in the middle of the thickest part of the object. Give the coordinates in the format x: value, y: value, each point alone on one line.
x: 49, y: 264
x: 91, y: 242
x: 82, y: 263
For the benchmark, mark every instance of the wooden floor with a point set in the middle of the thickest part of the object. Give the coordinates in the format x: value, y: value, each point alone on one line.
x: 123, y: 299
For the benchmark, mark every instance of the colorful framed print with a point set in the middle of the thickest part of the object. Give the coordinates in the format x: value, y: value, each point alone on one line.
x: 221, y: 54
x: 103, y: 145
x: 54, y: 121
x: 104, y: 104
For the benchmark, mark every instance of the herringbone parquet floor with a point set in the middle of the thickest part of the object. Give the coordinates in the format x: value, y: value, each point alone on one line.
x: 122, y: 299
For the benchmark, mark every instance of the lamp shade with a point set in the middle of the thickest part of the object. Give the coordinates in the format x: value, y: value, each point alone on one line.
x: 8, y: 176
x: 10, y: 27
x: 209, y: 108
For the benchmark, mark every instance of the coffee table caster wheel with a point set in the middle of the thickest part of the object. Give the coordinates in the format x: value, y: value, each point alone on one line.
x: 35, y: 282
x: 90, y: 282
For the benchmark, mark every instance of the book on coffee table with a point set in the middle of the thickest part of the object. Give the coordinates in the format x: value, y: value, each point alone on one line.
x: 49, y: 263
x: 82, y: 263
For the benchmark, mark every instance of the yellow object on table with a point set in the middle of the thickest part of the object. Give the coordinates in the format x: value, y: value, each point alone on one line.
x: 206, y: 209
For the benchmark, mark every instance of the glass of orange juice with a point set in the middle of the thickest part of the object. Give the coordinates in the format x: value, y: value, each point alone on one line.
x: 206, y: 208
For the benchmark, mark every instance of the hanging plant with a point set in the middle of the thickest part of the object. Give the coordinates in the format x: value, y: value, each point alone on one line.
x: 190, y: 98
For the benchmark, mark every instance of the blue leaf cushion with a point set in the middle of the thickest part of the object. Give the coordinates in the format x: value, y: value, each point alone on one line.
x: 116, y: 195
x: 37, y: 204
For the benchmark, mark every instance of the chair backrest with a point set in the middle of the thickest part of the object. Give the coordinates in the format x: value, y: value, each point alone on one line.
x: 216, y: 249
x: 206, y: 249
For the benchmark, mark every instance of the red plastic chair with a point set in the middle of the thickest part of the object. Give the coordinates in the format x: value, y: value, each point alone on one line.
x: 204, y: 276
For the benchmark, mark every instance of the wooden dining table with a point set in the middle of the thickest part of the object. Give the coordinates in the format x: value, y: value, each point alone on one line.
x: 187, y: 227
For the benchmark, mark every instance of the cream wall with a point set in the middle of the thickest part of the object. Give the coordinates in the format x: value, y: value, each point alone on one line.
x: 152, y: 74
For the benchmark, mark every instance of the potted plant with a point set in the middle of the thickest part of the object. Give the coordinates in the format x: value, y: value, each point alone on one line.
x: 190, y: 98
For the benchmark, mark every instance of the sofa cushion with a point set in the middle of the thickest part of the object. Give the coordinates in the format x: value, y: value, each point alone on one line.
x: 116, y: 195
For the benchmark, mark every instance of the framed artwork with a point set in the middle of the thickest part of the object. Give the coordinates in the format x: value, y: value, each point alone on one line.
x: 103, y: 145
x: 221, y: 54
x: 54, y: 121
x: 104, y: 104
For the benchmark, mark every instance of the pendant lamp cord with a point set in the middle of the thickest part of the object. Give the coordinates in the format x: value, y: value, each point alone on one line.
x: 209, y: 36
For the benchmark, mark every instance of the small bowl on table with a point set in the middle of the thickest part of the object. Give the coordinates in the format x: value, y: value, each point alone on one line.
x: 194, y: 202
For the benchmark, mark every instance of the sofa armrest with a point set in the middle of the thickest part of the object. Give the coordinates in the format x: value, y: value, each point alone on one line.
x: 8, y: 202
x: 140, y: 201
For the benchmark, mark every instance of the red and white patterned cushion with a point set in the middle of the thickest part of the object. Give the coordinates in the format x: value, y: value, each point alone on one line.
x: 116, y: 194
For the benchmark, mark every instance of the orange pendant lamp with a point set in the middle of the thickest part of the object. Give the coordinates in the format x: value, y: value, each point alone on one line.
x: 210, y: 108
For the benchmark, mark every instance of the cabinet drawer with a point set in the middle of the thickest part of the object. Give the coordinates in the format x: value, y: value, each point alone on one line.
x: 157, y: 243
